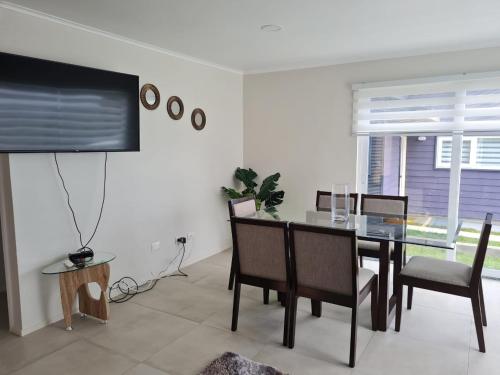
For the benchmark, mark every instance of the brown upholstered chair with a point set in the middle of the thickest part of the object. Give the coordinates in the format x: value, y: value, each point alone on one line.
x: 325, y: 268
x: 239, y: 207
x: 448, y: 277
x: 380, y: 204
x: 324, y: 201
x: 262, y: 259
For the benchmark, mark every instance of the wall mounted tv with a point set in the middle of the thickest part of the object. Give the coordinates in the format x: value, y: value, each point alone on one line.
x: 47, y: 106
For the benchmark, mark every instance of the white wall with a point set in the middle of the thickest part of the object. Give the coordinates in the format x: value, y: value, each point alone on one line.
x: 299, y: 122
x: 170, y: 188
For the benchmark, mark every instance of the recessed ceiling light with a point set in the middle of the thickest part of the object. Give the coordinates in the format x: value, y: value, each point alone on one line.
x: 271, y: 28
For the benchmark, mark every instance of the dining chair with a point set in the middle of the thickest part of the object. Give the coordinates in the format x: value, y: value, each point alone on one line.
x: 262, y: 259
x: 239, y: 207
x: 385, y: 205
x: 451, y: 278
x: 324, y: 268
x: 324, y: 201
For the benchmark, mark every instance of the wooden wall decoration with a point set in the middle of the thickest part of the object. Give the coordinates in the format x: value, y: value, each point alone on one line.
x: 150, y: 96
x: 175, y: 108
x: 198, y: 119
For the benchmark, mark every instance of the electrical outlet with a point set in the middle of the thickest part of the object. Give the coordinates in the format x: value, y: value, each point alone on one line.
x: 190, y: 237
x: 155, y: 246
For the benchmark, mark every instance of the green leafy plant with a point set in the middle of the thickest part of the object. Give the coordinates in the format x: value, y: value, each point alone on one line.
x: 267, y: 192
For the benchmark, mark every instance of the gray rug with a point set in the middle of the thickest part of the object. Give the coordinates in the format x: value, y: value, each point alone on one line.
x: 235, y: 364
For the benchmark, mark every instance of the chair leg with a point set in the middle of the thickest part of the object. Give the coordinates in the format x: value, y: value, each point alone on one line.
x: 292, y: 321
x: 231, y: 274
x: 236, y: 305
x: 410, y: 297
x: 286, y: 328
x: 404, y: 256
x: 282, y: 298
x: 374, y: 303
x: 360, y: 261
x: 481, y: 299
x: 399, y: 306
x: 354, y: 336
x: 265, y: 295
x: 316, y: 309
x: 476, y: 309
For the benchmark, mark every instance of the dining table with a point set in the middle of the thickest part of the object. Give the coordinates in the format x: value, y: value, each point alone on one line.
x: 393, y: 232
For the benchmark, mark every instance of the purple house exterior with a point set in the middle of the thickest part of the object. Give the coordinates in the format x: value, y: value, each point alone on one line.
x: 427, y: 186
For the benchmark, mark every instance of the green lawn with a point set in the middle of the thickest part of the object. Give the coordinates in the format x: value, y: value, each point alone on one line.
x: 442, y: 236
x: 472, y: 230
x: 492, y: 262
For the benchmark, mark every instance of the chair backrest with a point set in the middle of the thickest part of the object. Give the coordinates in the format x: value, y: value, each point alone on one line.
x: 482, y: 247
x: 261, y: 248
x: 324, y: 259
x: 384, y: 204
x: 324, y: 201
x: 242, y: 206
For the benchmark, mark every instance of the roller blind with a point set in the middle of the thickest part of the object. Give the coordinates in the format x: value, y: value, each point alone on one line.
x: 433, y: 106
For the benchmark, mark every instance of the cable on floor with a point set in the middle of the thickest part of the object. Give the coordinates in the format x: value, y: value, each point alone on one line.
x: 127, y: 287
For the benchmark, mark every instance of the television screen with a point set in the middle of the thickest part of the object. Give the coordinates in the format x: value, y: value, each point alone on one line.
x: 47, y: 106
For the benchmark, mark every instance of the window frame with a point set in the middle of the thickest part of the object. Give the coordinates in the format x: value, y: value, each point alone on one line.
x: 472, y: 164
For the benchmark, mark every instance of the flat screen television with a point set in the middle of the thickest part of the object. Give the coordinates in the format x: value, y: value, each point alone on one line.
x: 47, y: 106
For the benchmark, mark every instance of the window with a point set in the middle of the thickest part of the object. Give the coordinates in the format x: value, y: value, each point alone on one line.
x: 477, y: 152
x: 442, y: 105
x: 447, y: 133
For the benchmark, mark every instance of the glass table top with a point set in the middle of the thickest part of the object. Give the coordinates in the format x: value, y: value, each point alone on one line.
x: 59, y: 267
x: 378, y: 227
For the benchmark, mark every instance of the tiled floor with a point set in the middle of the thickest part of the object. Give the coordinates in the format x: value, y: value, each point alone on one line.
x: 180, y: 326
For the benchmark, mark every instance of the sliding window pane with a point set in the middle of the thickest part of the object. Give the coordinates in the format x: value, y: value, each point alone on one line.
x: 479, y: 194
x: 427, y: 187
x: 383, y: 165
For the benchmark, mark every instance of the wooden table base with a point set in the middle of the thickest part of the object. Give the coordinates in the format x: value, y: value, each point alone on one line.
x: 76, y: 282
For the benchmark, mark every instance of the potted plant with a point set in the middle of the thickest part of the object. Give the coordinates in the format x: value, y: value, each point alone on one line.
x: 267, y: 193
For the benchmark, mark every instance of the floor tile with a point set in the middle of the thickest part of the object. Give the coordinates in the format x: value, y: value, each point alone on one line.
x: 198, y: 271
x: 390, y: 353
x: 288, y: 360
x: 327, y: 339
x: 437, y: 327
x: 222, y: 259
x: 146, y: 332
x: 16, y: 352
x: 81, y: 357
x: 484, y: 363
x: 188, y: 300
x: 142, y: 369
x: 260, y: 322
x: 194, y: 351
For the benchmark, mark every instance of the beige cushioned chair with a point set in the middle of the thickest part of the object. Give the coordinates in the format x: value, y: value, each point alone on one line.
x: 324, y: 268
x: 261, y: 259
x: 324, y: 201
x: 385, y: 205
x: 448, y: 277
x: 242, y: 207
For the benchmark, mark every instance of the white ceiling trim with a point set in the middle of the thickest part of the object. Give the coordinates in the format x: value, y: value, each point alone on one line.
x: 79, y: 26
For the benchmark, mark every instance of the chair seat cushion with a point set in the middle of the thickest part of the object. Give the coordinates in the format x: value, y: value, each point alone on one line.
x: 372, y: 246
x: 438, y: 270
x: 364, y: 276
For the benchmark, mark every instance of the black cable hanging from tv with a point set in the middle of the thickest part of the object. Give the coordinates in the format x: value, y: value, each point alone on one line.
x: 84, y: 246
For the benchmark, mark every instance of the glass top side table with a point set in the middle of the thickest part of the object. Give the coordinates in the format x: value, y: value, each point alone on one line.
x: 74, y: 281
x: 59, y: 267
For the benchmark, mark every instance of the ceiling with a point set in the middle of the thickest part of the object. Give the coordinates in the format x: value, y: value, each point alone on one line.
x: 315, y: 32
